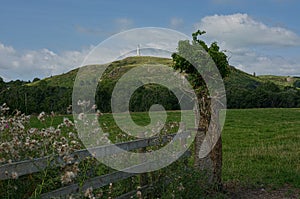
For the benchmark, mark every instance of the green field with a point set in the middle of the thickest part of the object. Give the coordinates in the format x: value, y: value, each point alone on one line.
x: 260, y: 146
x: 260, y: 151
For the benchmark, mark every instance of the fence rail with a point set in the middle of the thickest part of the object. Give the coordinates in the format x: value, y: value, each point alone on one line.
x: 36, y: 165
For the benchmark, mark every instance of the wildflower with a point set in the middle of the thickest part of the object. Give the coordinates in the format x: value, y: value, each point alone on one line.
x: 71, y: 135
x: 86, y: 103
x: 67, y: 177
x: 83, y: 103
x: 14, y: 175
x: 20, y: 125
x: 74, y: 142
x: 67, y: 122
x: 75, y: 168
x: 4, y: 108
x: 69, y: 109
x: 89, y: 192
x: 41, y: 116
x: 2, y: 160
x: 32, y: 131
x: 57, y: 132
x: 110, y: 188
x: 18, y: 113
x: 181, y: 187
x: 68, y: 159
x: 63, y: 139
x: 63, y: 150
x: 93, y: 154
x: 80, y: 116
x: 98, y: 114
x: 139, y: 194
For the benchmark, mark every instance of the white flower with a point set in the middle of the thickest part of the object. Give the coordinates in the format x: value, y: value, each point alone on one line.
x: 89, y: 192
x: 41, y: 116
x: 80, y: 116
x: 68, y: 177
x: 14, y: 175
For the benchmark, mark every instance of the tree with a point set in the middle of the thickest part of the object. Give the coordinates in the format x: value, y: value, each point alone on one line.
x: 297, y: 83
x: 36, y: 79
x: 198, y: 53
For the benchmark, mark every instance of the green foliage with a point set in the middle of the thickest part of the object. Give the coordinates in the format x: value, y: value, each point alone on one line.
x: 144, y: 97
x: 147, y: 95
x: 196, y: 54
x: 297, y: 83
x: 264, y: 95
x: 181, y: 180
x: 36, y: 79
x: 39, y: 98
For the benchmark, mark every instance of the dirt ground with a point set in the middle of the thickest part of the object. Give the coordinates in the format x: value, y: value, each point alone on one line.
x: 285, y: 192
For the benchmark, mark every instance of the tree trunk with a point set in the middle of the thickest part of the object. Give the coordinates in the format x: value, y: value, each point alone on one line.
x: 211, y: 163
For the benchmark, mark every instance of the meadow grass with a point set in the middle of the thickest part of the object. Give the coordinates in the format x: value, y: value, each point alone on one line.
x: 261, y: 147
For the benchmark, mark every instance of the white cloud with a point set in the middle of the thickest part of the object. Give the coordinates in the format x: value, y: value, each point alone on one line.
x: 241, y: 30
x: 41, y: 63
x: 251, y: 44
x: 26, y: 65
x: 252, y: 61
x: 152, y: 42
x: 176, y: 22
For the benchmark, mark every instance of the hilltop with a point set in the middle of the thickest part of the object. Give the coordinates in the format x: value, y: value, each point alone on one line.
x: 54, y: 93
x: 116, y: 69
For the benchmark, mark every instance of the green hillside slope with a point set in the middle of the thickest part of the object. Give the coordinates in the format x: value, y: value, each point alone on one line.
x: 54, y: 93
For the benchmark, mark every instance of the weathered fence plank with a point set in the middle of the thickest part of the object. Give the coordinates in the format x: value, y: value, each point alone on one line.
x: 96, y: 182
x: 101, y: 181
x: 36, y: 165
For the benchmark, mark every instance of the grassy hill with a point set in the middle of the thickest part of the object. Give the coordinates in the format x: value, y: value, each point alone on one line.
x: 243, y: 90
x: 114, y: 71
x: 240, y: 79
x: 236, y: 78
x: 280, y: 80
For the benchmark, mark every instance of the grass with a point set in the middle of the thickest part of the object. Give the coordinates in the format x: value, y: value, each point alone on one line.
x: 279, y: 80
x: 120, y: 67
x: 260, y: 146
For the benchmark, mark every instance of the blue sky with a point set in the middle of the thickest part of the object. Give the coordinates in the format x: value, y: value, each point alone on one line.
x: 48, y: 37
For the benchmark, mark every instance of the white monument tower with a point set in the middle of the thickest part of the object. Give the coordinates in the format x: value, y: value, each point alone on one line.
x: 138, y: 52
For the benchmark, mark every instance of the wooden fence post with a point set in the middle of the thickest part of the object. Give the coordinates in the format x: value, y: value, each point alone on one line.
x: 143, y: 176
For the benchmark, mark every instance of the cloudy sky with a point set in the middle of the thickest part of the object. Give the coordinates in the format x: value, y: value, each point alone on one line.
x: 39, y: 38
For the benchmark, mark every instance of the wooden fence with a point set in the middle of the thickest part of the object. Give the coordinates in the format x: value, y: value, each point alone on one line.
x: 37, y: 165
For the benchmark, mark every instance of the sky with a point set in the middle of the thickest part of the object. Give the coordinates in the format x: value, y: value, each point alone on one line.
x: 40, y: 38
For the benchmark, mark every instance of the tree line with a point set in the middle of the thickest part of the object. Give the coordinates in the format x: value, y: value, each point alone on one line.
x: 43, y: 97
x: 265, y: 95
